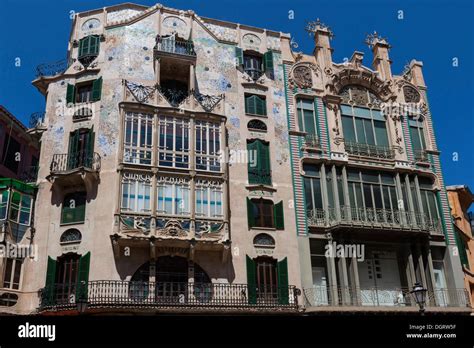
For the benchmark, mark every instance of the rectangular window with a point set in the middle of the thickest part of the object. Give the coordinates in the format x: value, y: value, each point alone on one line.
x: 138, y: 138
x: 173, y: 196
x: 364, y: 126
x: 11, y: 153
x: 255, y: 105
x: 84, y: 93
x: 306, y: 116
x: 12, y: 273
x: 208, y: 146
x: 136, y: 191
x: 253, y: 66
x: 173, y: 145
x: 209, y: 199
x: 20, y: 208
x: 74, y: 208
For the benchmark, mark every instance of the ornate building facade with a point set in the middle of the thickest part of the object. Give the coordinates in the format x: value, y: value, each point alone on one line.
x: 366, y: 173
x: 191, y: 164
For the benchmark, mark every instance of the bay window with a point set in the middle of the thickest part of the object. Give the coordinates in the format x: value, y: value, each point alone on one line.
x: 364, y: 126
x: 173, y: 145
x: 312, y: 187
x: 307, y: 121
x: 208, y: 146
x: 4, y: 195
x: 136, y: 189
x: 173, y: 196
x: 20, y: 208
x: 209, y: 199
x: 138, y: 138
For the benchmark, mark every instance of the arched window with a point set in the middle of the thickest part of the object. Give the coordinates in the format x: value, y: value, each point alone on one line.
x: 257, y: 125
x: 363, y: 124
x: 264, y: 239
x: 71, y: 235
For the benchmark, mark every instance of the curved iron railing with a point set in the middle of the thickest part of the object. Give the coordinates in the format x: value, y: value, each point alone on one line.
x: 421, y: 156
x: 373, y: 296
x: 372, y: 217
x: 65, y: 162
x: 36, y: 119
x: 359, y: 149
x: 312, y: 141
x: 52, y: 69
x: 118, y: 293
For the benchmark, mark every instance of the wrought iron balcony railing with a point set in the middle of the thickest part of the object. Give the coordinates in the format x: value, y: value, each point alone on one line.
x: 53, y: 69
x: 36, y: 119
x: 254, y: 73
x: 175, y: 96
x: 175, y: 46
x: 421, y: 156
x: 312, y: 141
x: 372, y: 217
x: 29, y: 174
x: 130, y: 294
x: 376, y: 151
x: 387, y: 297
x: 66, y: 162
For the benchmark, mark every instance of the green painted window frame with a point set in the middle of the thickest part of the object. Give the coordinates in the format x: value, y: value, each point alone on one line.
x: 255, y: 105
x: 76, y: 215
x: 260, y: 173
x: 89, y: 46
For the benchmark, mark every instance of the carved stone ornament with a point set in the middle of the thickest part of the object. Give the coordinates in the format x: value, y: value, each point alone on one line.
x: 172, y: 228
x: 411, y: 94
x: 302, y: 76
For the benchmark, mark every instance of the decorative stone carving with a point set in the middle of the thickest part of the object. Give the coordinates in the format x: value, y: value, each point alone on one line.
x: 172, y: 228
x: 411, y: 94
x: 302, y: 76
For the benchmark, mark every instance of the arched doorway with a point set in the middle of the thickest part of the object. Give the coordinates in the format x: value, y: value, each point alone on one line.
x: 171, y: 274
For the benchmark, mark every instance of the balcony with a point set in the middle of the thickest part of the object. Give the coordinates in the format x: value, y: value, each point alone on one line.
x: 175, y: 46
x: 71, y: 169
x: 52, y: 69
x: 312, y: 142
x: 421, y: 156
x: 372, y: 218
x: 396, y: 299
x: 366, y: 150
x: 170, y: 296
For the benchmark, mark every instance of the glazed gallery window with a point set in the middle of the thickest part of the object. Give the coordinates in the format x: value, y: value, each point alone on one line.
x: 209, y: 197
x: 253, y: 65
x: 138, y: 138
x: 173, y: 196
x: 208, y: 146
x: 364, y: 126
x: 89, y: 46
x: 136, y: 191
x: 429, y: 201
x: 12, y: 273
x: 20, y: 208
x: 74, y: 208
x: 306, y: 116
x: 4, y: 195
x: 173, y: 143
x: 312, y: 187
x: 264, y: 213
x: 372, y: 190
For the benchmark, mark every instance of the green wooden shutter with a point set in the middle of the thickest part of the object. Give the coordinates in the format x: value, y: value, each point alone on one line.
x: 70, y: 94
x: 260, y: 106
x: 48, y: 296
x: 278, y: 216
x: 253, y: 171
x: 89, y: 155
x: 283, y: 281
x: 83, y: 277
x: 94, y: 43
x: 251, y: 280
x: 72, y: 157
x: 268, y: 61
x: 251, y: 104
x: 250, y: 217
x: 81, y: 48
x: 239, y: 54
x: 97, y: 89
x: 264, y: 159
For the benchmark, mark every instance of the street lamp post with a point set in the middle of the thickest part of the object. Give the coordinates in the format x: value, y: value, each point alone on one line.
x: 419, y: 294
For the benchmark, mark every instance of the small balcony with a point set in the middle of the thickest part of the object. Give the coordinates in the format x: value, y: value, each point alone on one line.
x: 175, y: 46
x: 372, y: 218
x: 366, y: 150
x: 73, y: 168
x: 395, y: 299
x: 52, y: 69
x: 421, y: 156
x: 113, y: 295
x: 312, y: 142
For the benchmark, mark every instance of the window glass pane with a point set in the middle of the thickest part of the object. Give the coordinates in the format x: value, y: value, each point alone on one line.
x: 3, y: 204
x: 432, y: 205
x: 311, y: 170
x: 368, y: 196
x: 348, y: 129
x: 415, y: 138
x: 308, y: 194
x: 369, y: 132
x: 381, y: 133
x: 377, y: 196
x: 310, y: 126
x: 360, y: 131
x: 370, y: 177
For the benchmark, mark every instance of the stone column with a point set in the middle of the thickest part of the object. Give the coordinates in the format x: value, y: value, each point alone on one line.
x: 331, y: 265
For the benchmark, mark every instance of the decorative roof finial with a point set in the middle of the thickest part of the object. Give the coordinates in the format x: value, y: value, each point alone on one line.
x: 372, y: 39
x: 313, y: 26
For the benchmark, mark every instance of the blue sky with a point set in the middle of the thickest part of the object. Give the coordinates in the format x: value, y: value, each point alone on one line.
x: 36, y: 31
